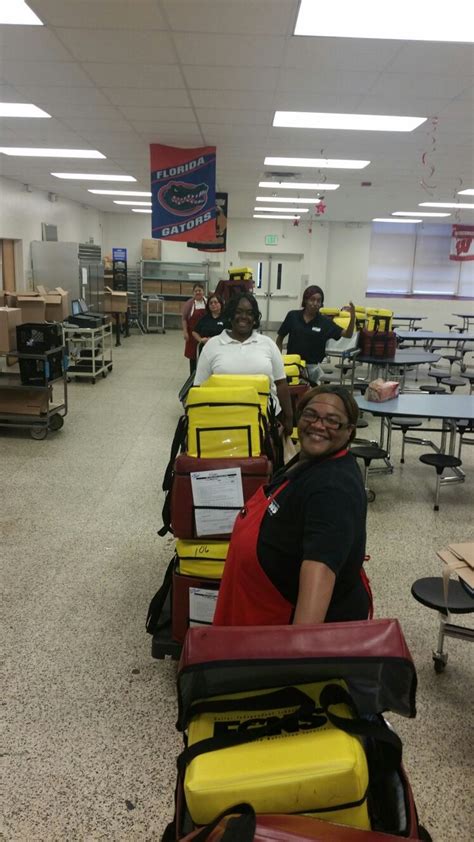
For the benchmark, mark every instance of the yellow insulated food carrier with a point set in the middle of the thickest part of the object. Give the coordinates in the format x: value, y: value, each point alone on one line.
x: 331, y: 312
x: 379, y: 319
x: 306, y: 765
x: 201, y: 558
x: 260, y: 382
x: 223, y: 422
x: 240, y: 273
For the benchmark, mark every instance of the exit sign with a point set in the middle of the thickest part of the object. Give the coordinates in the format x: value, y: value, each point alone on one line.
x: 271, y: 239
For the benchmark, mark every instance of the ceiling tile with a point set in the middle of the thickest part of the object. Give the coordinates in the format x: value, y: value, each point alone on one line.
x: 104, y: 45
x: 339, y: 54
x: 231, y: 78
x: 149, y: 98
x: 438, y: 58
x: 239, y: 117
x: 227, y: 50
x: 43, y: 95
x: 32, y: 43
x: 8, y: 93
x: 45, y: 73
x: 127, y: 75
x: 232, y: 99
x: 324, y: 81
x: 140, y: 14
x: 142, y: 117
x: 420, y: 84
x: 264, y: 17
x: 307, y: 101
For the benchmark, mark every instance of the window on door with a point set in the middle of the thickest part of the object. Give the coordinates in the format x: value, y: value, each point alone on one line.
x: 279, y: 275
x: 259, y: 274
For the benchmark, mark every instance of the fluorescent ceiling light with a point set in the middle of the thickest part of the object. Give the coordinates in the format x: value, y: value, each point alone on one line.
x: 316, y: 163
x: 310, y: 199
x: 130, y: 202
x: 349, y: 122
x: 21, y: 109
x: 272, y: 216
x: 298, y: 185
x: 283, y: 210
x: 141, y: 210
x: 32, y: 152
x: 396, y: 221
x: 462, y: 205
x: 90, y: 176
x: 18, y: 13
x: 469, y: 192
x: 412, y: 21
x: 120, y: 192
x: 418, y: 213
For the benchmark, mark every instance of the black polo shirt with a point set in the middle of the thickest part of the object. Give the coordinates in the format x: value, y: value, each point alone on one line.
x: 208, y: 326
x: 308, y: 339
x: 319, y: 516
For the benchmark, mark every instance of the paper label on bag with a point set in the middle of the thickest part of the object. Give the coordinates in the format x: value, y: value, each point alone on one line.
x: 218, y: 497
x: 202, y: 605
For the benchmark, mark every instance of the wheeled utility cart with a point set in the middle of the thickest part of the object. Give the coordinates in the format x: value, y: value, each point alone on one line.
x: 89, y: 351
x: 153, y: 307
x: 33, y: 406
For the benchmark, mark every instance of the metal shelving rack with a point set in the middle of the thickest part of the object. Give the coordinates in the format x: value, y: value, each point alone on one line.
x: 90, y: 350
x: 38, y: 425
x: 179, y: 278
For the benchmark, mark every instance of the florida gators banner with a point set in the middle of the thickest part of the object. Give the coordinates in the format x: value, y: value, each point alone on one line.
x: 183, y: 193
x: 462, y: 243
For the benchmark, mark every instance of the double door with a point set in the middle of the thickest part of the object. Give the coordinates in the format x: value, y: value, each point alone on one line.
x: 277, y: 280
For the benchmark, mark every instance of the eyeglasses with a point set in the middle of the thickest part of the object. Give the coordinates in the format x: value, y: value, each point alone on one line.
x: 328, y: 421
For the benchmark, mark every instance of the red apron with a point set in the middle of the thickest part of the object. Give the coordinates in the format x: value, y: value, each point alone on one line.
x: 190, y: 348
x: 247, y: 597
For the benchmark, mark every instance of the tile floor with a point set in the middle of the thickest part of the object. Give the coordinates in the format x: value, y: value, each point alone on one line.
x: 89, y: 748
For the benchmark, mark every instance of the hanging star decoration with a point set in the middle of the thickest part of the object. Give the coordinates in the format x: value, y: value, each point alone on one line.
x: 320, y: 208
x: 427, y: 159
x: 296, y: 222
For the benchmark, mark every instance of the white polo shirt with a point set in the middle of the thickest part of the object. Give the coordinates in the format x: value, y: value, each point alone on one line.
x: 256, y: 355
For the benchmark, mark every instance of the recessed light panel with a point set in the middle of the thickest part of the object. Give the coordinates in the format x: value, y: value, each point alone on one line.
x: 21, y: 109
x: 120, y: 192
x: 418, y: 213
x: 90, y: 176
x: 347, y: 122
x: 456, y: 205
x: 468, y: 192
x: 32, y: 152
x: 282, y: 199
x: 316, y: 163
x: 16, y: 12
x: 297, y: 185
x: 283, y: 210
x: 396, y: 221
x: 141, y: 210
x: 130, y: 202
x: 272, y: 216
x: 409, y: 22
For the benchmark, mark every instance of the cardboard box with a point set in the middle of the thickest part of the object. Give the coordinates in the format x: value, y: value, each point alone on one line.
x: 10, y: 318
x: 152, y: 286
x: 173, y: 306
x: 170, y: 287
x: 7, y: 299
x: 187, y: 288
x: 23, y: 401
x: 57, y: 303
x: 151, y: 249
x: 115, y: 302
x: 33, y: 307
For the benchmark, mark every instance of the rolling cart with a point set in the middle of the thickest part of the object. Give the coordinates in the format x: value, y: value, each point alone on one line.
x: 154, y: 312
x: 31, y: 406
x: 90, y: 351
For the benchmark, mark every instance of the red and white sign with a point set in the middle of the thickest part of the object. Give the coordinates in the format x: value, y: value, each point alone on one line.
x: 462, y: 243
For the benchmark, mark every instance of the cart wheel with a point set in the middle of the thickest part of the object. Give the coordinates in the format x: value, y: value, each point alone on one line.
x: 110, y: 367
x: 370, y: 496
x: 38, y: 433
x: 104, y: 374
x: 439, y: 663
x: 94, y: 381
x: 56, y: 422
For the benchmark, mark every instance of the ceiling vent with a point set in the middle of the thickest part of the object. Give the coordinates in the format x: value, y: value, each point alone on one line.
x: 280, y: 176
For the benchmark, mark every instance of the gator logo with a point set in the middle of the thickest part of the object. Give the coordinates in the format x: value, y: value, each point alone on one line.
x: 182, y: 199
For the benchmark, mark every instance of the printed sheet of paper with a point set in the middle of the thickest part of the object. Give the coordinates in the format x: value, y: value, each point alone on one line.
x: 217, y: 496
x: 202, y: 605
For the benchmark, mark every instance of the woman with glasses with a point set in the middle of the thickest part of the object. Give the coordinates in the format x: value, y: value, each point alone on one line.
x: 212, y: 324
x: 240, y: 349
x: 298, y: 545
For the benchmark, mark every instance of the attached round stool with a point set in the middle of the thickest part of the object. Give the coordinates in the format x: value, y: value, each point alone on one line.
x: 404, y: 424
x: 361, y: 386
x: 438, y: 375
x: 433, y: 390
x: 453, y: 382
x: 367, y: 453
x: 451, y: 358
x: 439, y: 461
x: 430, y: 592
x: 469, y: 376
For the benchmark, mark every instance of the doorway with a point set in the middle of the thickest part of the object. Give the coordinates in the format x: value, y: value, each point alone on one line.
x: 7, y: 265
x: 277, y: 280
